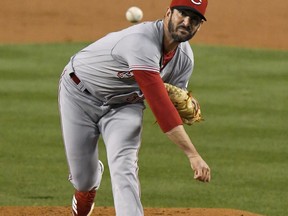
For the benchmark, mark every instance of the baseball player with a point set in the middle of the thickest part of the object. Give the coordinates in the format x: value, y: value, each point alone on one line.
x: 101, y: 92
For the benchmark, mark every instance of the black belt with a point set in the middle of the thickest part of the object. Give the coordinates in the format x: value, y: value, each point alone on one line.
x: 77, y: 81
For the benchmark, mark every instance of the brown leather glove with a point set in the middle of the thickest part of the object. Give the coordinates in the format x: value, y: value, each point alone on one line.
x: 187, y: 106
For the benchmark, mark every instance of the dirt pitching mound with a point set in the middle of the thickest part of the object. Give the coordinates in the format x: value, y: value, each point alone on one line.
x: 109, y: 211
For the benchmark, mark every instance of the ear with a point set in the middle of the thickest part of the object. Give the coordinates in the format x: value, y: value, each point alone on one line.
x: 200, y: 26
x: 168, y: 12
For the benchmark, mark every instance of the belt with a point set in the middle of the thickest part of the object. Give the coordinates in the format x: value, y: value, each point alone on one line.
x: 77, y: 81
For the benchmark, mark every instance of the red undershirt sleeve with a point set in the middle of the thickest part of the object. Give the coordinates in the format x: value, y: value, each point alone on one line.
x: 157, y: 97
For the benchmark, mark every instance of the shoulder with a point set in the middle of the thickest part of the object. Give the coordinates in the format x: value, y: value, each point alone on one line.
x: 151, y: 31
x: 144, y: 38
x: 147, y: 27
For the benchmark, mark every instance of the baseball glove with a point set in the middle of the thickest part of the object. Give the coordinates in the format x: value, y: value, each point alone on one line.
x: 186, y: 105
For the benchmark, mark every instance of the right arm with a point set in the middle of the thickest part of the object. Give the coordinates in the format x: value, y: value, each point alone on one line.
x: 179, y: 136
x: 169, y: 120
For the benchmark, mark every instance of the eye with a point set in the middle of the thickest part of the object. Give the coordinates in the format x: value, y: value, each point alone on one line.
x: 183, y: 13
x: 196, y: 18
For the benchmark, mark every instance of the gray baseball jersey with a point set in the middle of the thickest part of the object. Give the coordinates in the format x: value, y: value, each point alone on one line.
x: 105, y: 67
x: 114, y: 107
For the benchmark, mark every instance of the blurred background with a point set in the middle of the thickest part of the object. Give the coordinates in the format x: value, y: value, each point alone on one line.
x: 246, y: 23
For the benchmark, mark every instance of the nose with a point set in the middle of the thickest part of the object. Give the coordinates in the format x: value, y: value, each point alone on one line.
x: 186, y: 21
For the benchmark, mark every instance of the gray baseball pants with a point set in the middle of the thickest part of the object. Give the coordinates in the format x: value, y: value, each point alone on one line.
x: 83, y: 119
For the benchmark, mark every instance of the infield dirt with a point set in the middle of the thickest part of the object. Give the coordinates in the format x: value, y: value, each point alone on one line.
x: 253, y: 24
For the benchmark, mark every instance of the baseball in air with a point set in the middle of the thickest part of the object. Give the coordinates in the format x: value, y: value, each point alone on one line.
x: 134, y: 14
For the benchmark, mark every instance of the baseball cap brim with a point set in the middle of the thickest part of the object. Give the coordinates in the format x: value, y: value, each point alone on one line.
x: 191, y: 9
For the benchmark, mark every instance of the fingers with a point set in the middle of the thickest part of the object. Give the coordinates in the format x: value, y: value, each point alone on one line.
x: 202, y: 171
x: 203, y: 175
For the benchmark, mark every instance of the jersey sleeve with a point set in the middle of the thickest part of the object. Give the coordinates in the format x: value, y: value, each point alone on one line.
x: 139, y: 51
x: 157, y: 97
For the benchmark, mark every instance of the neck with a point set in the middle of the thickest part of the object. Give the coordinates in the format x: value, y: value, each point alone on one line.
x: 168, y: 45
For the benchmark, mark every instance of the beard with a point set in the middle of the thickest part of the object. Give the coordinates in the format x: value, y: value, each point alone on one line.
x: 178, y: 37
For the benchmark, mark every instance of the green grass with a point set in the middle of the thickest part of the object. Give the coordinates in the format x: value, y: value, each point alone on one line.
x: 244, y: 99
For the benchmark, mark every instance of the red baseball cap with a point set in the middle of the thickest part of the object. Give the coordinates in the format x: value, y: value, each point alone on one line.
x: 197, y: 6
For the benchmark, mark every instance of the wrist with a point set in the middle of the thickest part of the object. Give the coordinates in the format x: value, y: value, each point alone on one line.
x: 193, y: 155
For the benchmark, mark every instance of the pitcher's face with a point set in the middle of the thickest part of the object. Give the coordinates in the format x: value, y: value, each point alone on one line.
x: 183, y: 24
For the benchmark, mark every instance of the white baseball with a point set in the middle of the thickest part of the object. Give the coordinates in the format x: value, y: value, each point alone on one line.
x: 134, y: 14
